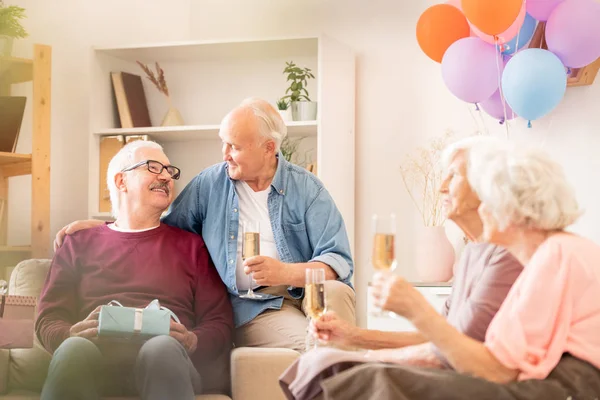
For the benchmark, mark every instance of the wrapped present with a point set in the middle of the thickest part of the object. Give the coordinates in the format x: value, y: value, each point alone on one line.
x: 129, y: 323
x: 17, y: 315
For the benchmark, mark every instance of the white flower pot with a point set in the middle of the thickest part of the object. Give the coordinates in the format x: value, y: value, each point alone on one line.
x: 286, y: 115
x: 6, y: 46
x: 304, y: 110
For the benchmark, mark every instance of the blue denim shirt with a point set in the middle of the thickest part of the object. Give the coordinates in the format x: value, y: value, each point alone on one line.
x: 307, y: 226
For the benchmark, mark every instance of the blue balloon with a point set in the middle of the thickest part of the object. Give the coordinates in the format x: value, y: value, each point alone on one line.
x: 534, y: 82
x: 524, y: 36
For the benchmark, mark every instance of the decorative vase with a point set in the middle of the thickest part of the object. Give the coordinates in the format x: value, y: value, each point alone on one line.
x: 304, y: 110
x: 286, y: 115
x: 172, y: 117
x: 434, y: 258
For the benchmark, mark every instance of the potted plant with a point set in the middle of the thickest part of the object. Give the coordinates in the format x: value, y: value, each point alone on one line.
x: 283, y: 106
x: 289, y: 147
x: 10, y: 27
x: 303, y: 109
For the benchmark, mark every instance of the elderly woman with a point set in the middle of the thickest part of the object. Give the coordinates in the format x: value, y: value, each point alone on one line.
x: 484, y: 275
x: 544, y: 342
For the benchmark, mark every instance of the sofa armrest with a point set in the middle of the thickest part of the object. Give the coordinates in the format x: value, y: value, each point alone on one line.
x: 255, y: 372
x: 4, y: 359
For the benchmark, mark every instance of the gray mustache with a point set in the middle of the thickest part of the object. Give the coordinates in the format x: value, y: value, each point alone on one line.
x: 160, y: 185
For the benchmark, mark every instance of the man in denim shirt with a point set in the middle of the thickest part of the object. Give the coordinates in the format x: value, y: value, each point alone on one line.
x: 300, y: 228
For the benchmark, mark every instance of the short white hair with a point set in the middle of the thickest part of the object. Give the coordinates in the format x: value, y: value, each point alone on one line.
x: 270, y: 124
x: 523, y: 187
x: 123, y: 159
x: 465, y: 145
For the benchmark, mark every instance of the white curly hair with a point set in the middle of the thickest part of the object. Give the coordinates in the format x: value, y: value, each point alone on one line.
x: 522, y: 187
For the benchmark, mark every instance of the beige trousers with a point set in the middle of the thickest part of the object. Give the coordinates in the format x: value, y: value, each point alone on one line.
x: 288, y: 326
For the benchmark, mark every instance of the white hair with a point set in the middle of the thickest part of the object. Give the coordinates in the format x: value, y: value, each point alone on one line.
x: 123, y: 159
x: 271, y: 125
x: 523, y: 187
x: 465, y: 145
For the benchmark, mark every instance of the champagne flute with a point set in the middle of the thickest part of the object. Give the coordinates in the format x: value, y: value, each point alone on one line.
x: 250, y: 248
x: 384, y: 247
x: 314, y: 293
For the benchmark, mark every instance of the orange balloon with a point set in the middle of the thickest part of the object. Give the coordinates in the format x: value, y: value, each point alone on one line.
x: 440, y: 26
x: 492, y: 16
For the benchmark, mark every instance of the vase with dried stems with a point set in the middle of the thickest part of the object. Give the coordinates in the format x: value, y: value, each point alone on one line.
x: 173, y: 116
x: 422, y: 176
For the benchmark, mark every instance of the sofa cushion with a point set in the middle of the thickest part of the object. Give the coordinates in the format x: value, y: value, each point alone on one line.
x: 28, y: 367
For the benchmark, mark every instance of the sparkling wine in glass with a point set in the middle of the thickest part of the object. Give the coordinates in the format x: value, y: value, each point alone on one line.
x: 384, y: 247
x: 314, y: 297
x: 250, y: 248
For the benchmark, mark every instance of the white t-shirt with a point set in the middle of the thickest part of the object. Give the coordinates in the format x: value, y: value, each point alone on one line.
x: 253, y: 206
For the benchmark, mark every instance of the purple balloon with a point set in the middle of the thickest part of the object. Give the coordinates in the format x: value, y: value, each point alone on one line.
x: 573, y: 32
x: 494, y: 107
x: 541, y: 9
x: 470, y: 69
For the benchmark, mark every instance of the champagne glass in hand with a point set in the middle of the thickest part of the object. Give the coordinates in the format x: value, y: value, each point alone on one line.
x: 384, y: 247
x: 251, y: 248
x: 314, y: 296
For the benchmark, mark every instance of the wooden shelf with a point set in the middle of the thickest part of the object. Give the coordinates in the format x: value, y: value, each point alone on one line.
x: 215, y: 50
x: 13, y: 158
x: 15, y: 70
x: 15, y: 249
x: 195, y: 132
x: 13, y: 164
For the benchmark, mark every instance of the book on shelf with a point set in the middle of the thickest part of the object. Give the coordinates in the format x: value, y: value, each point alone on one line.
x: 131, y: 100
x: 11, y: 118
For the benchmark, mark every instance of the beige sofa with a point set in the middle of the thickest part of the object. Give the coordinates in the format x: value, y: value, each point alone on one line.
x: 254, y: 371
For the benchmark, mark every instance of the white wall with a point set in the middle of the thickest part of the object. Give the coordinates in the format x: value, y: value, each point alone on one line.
x: 401, y: 99
x: 71, y: 27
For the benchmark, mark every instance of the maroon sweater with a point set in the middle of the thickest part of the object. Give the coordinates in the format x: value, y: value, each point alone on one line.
x: 95, y: 266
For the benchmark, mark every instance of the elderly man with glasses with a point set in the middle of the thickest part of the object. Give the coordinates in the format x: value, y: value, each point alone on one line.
x: 134, y: 260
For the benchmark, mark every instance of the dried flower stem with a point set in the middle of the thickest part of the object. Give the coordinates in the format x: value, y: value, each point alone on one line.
x: 157, y: 80
x: 422, y: 174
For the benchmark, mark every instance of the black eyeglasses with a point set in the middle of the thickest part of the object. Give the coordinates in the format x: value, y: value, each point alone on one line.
x: 156, y: 168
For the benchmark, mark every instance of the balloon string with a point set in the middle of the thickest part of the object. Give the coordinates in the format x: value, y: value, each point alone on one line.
x: 498, y: 55
x: 485, y: 129
x: 474, y: 119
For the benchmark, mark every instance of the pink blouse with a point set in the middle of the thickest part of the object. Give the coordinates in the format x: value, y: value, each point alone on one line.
x: 553, y: 308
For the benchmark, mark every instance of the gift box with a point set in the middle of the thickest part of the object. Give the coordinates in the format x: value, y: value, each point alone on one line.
x: 128, y: 323
x: 17, y: 316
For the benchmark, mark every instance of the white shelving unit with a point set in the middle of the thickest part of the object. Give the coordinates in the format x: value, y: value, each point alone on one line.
x: 206, y: 79
x: 166, y: 134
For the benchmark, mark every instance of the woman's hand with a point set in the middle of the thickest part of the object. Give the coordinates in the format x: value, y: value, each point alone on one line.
x: 393, y: 293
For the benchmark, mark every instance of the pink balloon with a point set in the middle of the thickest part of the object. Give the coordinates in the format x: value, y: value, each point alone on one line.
x: 505, y: 36
x: 456, y: 3
x: 494, y: 107
x: 470, y: 69
x: 541, y: 9
x: 573, y: 32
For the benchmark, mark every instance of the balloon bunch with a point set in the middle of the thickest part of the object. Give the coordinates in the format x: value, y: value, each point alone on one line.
x: 482, y: 48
